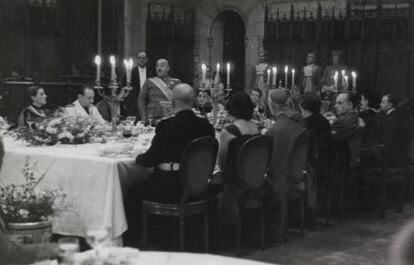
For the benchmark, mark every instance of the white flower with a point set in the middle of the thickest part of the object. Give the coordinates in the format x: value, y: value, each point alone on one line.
x: 24, y: 213
x: 64, y: 135
x: 51, y: 130
x: 54, y: 122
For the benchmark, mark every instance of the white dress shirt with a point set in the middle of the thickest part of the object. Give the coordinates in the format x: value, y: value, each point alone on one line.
x: 76, y: 110
x: 142, y: 75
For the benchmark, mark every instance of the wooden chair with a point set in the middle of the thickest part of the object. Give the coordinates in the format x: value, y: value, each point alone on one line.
x: 252, y: 166
x: 196, y: 168
x: 380, y: 177
x: 299, y: 165
x: 345, y: 173
x: 323, y: 172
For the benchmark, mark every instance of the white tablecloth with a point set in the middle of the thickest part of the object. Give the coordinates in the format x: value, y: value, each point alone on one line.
x: 92, y: 183
x: 179, y: 258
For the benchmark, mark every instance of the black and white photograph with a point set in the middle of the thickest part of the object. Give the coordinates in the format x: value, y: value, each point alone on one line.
x: 208, y: 132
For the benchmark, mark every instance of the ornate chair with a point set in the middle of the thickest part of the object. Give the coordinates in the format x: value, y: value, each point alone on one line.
x: 252, y: 167
x: 344, y: 173
x: 196, y: 168
x: 323, y: 172
x: 381, y: 177
x: 299, y: 166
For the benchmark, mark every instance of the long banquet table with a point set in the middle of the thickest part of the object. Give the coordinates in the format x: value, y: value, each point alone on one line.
x: 93, y: 184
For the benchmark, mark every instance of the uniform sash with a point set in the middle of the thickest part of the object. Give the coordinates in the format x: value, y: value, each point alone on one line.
x: 158, y: 82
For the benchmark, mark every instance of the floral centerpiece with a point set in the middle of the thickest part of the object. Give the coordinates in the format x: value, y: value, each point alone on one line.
x: 58, y: 128
x: 22, y: 203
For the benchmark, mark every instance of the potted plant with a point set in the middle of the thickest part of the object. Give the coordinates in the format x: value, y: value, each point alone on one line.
x: 27, y: 210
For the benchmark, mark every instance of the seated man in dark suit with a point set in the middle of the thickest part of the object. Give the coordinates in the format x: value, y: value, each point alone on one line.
x: 171, y: 137
x: 287, y: 162
x: 346, y: 122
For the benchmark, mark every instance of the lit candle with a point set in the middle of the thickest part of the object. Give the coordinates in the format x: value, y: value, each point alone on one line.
x: 286, y: 76
x: 203, y: 73
x: 354, y: 76
x: 346, y: 82
x: 293, y: 77
x: 228, y: 74
x: 113, y: 65
x: 274, y: 70
x: 128, y: 68
x: 98, y: 68
x: 343, y: 78
x: 217, y: 79
x: 335, y: 77
x: 268, y: 77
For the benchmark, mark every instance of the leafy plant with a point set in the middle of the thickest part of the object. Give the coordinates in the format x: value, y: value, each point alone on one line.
x: 23, y: 203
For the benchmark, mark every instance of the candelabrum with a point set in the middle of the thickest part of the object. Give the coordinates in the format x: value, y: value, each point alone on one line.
x: 114, y: 98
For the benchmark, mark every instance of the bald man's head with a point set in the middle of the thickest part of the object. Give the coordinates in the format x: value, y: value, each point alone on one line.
x: 183, y: 96
x: 162, y: 67
x: 278, y: 99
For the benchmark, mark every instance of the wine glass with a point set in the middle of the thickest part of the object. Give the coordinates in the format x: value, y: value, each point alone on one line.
x: 150, y: 117
x: 67, y: 247
x: 97, y: 237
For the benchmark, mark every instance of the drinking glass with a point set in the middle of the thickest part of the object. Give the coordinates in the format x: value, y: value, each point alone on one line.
x: 150, y: 117
x: 68, y: 246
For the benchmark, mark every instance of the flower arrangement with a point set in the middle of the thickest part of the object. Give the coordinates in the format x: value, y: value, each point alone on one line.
x: 22, y: 203
x: 58, y: 128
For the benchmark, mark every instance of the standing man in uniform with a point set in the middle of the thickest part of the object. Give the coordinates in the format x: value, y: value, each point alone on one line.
x: 156, y: 89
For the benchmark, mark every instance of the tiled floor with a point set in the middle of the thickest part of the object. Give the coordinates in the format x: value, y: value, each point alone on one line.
x: 361, y: 241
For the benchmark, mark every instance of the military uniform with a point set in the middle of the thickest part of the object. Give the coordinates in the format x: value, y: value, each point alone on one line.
x: 153, y: 91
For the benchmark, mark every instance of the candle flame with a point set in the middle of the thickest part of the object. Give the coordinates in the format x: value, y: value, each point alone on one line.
x: 218, y: 67
x: 274, y: 69
x: 112, y: 60
x: 343, y: 72
x: 131, y: 63
x: 97, y: 59
x: 203, y: 67
x: 353, y: 74
x: 336, y: 74
x: 228, y: 67
x: 286, y: 69
x: 268, y: 71
x: 126, y: 63
x: 293, y: 71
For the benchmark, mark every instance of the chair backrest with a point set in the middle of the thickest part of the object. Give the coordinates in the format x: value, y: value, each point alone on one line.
x: 299, y: 159
x: 253, y: 161
x: 197, y: 164
x: 354, y: 145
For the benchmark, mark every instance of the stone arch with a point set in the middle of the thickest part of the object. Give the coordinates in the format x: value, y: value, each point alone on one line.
x: 251, y: 11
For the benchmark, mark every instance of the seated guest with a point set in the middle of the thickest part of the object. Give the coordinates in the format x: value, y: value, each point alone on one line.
x: 203, y: 102
x: 347, y: 118
x: 240, y: 110
x: 256, y: 97
x: 12, y: 253
x: 310, y: 107
x: 391, y: 132
x: 171, y: 137
x: 371, y: 117
x: 17, y: 75
x: 33, y: 112
x: 285, y: 132
x: 83, y: 106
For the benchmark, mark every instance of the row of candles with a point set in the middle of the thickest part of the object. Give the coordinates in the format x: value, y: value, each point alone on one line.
x: 272, y: 75
x: 128, y: 63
